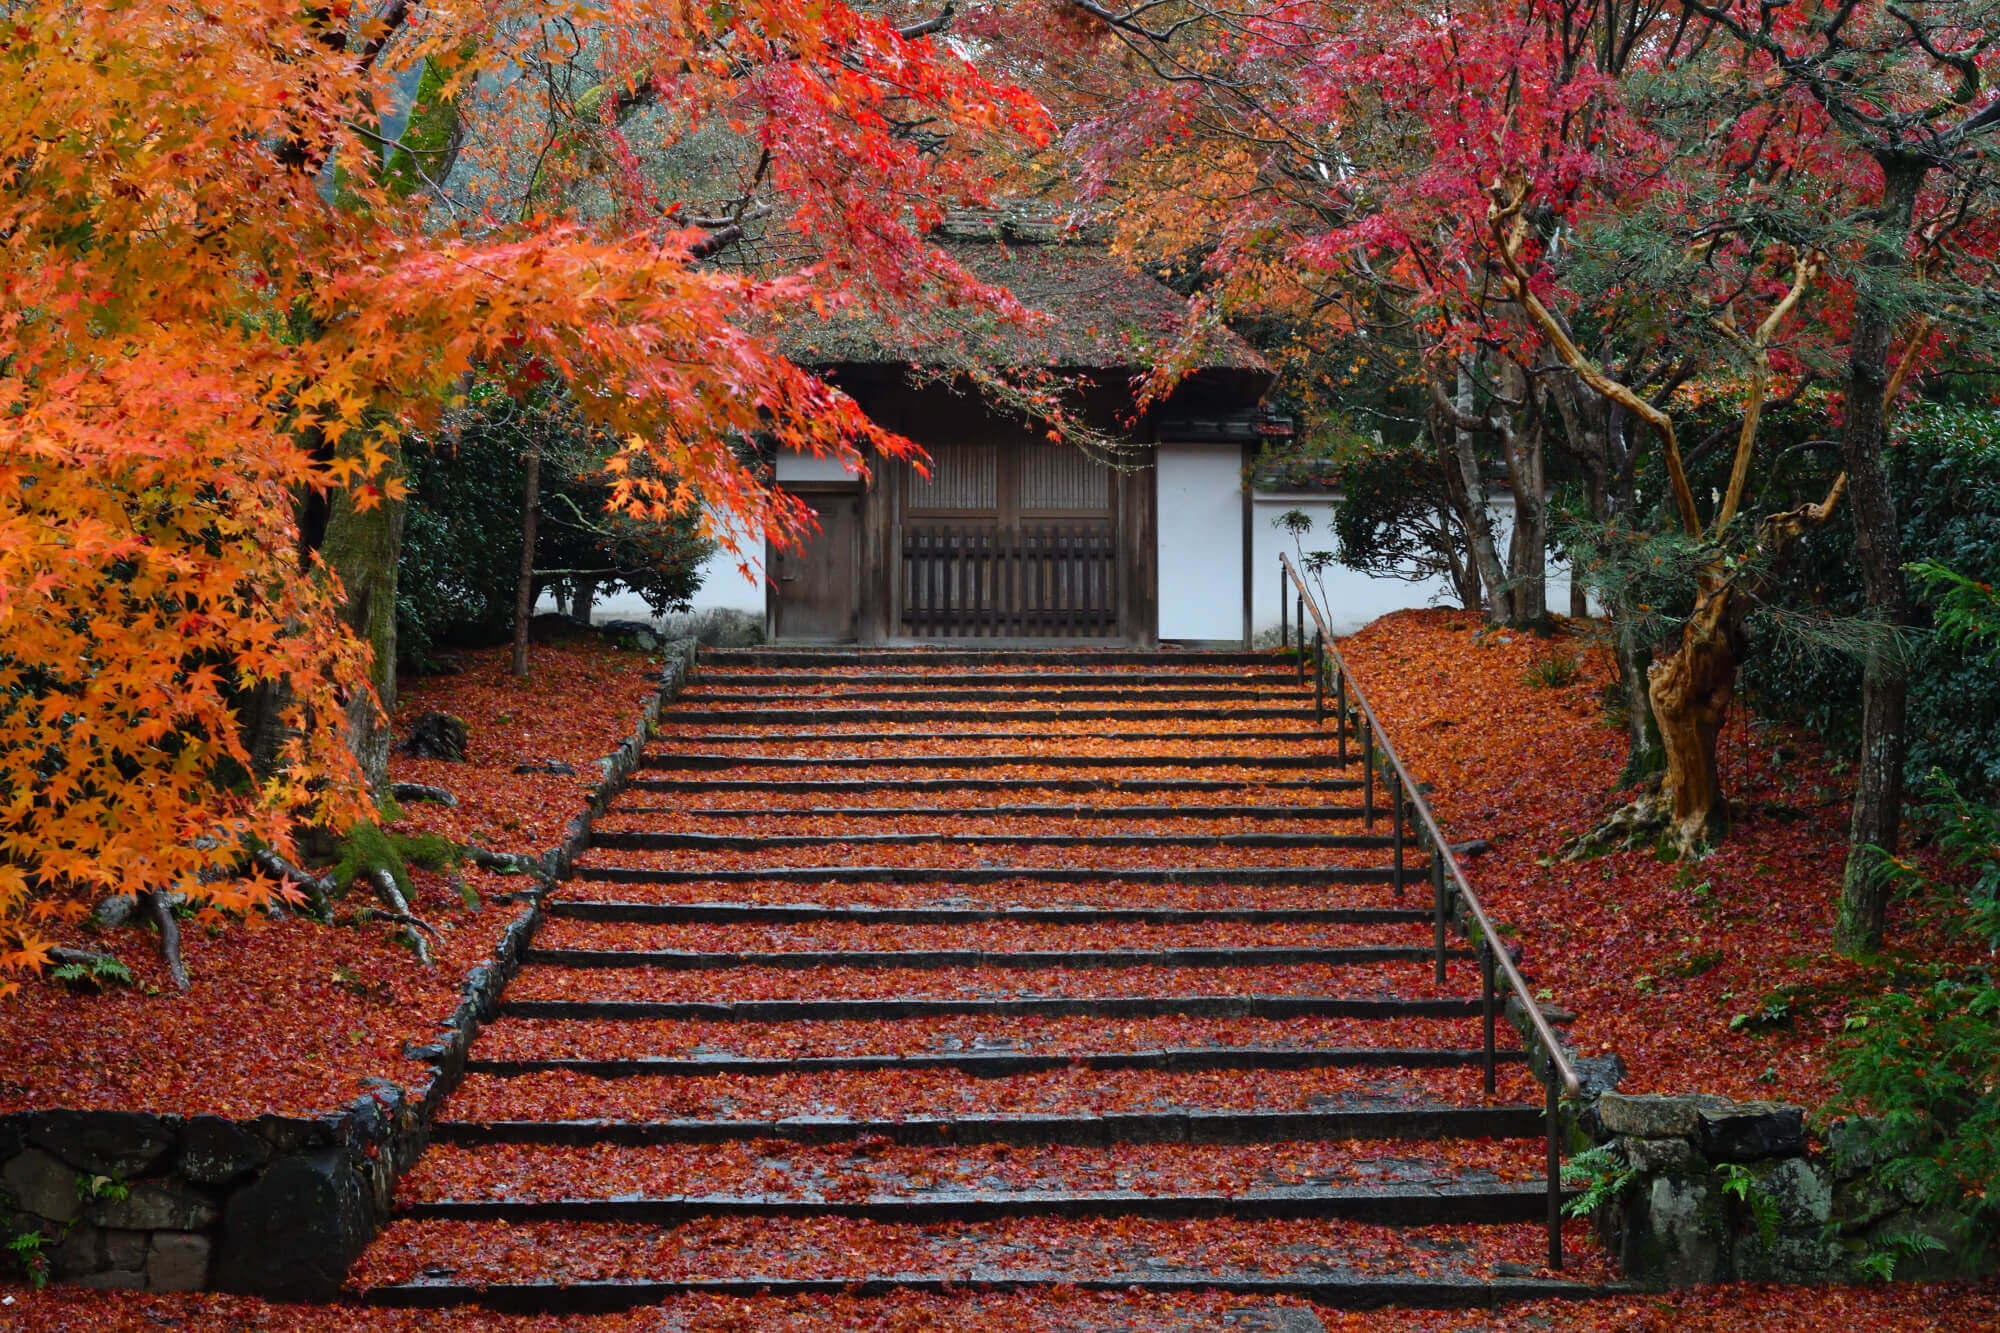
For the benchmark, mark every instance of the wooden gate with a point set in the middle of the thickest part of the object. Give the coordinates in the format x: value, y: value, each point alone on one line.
x: 1037, y: 581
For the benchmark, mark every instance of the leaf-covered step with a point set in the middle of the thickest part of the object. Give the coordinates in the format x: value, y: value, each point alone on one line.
x: 1457, y: 1264
x: 949, y: 1095
x: 956, y: 914
x: 1056, y: 1038
x: 988, y: 937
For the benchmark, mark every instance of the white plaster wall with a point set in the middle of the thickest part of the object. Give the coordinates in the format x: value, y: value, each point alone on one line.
x: 1200, y: 541
x: 812, y: 467
x: 1354, y: 598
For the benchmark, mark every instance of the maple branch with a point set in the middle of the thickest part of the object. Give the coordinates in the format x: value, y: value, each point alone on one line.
x: 1804, y: 269
x: 1510, y: 233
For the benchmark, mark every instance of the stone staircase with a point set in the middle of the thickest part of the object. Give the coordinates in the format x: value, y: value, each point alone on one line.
x: 985, y: 971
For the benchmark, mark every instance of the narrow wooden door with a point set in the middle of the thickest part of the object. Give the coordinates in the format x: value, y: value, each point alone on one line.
x: 816, y: 590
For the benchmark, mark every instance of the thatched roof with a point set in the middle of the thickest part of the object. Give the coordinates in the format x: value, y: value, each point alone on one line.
x: 1104, y: 315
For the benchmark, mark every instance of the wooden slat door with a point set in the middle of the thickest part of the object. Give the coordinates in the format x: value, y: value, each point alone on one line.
x: 1013, y: 541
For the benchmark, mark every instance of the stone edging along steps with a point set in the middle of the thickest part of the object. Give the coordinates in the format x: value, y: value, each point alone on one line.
x: 274, y: 1205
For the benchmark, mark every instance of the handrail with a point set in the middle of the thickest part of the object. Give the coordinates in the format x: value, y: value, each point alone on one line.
x: 1411, y: 796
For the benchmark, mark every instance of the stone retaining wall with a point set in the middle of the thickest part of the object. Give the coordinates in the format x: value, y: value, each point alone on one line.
x: 277, y: 1206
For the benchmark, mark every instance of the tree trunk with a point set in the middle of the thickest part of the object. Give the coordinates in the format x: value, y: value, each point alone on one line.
x: 1579, y: 598
x: 1690, y: 694
x: 363, y: 547
x: 1878, y: 785
x: 524, y: 593
x: 1528, y: 544
x: 582, y: 594
x: 1478, y: 515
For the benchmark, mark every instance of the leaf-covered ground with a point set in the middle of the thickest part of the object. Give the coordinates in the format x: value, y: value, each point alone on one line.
x: 1930, y: 1308
x: 289, y: 1016
x: 1717, y: 975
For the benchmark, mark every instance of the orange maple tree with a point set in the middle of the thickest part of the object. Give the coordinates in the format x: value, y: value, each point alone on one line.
x: 222, y: 297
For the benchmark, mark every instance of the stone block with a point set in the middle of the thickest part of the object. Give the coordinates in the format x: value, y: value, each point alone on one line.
x: 1799, y: 1191
x: 1653, y: 1116
x: 292, y: 1233
x: 178, y: 1261
x: 1678, y: 1235
x: 115, y: 1279
x: 1752, y: 1131
x: 78, y: 1253
x: 217, y: 1151
x: 125, y: 1249
x: 1662, y: 1157
x: 1790, y: 1256
x: 104, y: 1143
x: 152, y: 1206
x: 40, y: 1184
x: 1861, y: 1202
x: 1853, y: 1145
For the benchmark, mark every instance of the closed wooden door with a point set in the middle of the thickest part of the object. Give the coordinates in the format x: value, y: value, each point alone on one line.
x: 1015, y: 540
x: 816, y: 589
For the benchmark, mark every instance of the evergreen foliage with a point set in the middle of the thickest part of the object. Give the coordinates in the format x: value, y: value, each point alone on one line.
x: 462, y: 537
x: 1947, y: 479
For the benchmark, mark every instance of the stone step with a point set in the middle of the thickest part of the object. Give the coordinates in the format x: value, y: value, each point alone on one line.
x: 1301, y: 813
x: 688, y: 960
x: 766, y: 715
x: 626, y: 839
x: 665, y: 734
x: 1000, y: 1064
x: 975, y: 875
x: 1437, y: 1204
x: 928, y: 659
x: 1258, y: 675
x: 1014, y: 1007
x: 654, y: 759
x: 704, y: 694
x: 1337, y: 1290
x: 1307, y: 787
x: 736, y: 912
x: 1406, y: 1123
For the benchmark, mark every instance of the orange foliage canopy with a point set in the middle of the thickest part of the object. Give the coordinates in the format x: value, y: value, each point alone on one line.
x: 211, y: 307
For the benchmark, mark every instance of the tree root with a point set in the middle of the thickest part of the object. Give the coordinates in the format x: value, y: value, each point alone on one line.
x: 1647, y: 821
x: 420, y: 791
x: 318, y: 889
x: 170, y: 938
x: 507, y: 863
x: 398, y: 907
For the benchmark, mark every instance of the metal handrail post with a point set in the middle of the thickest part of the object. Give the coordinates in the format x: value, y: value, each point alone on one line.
x: 1367, y: 774
x: 1284, y: 613
x: 1553, y: 1123
x: 1438, y: 907
x: 1396, y: 830
x: 1487, y: 995
x: 1319, y: 679
x: 1302, y: 637
x: 1340, y: 708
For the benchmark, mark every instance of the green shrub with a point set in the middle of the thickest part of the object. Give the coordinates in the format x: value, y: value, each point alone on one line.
x: 1945, y: 468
